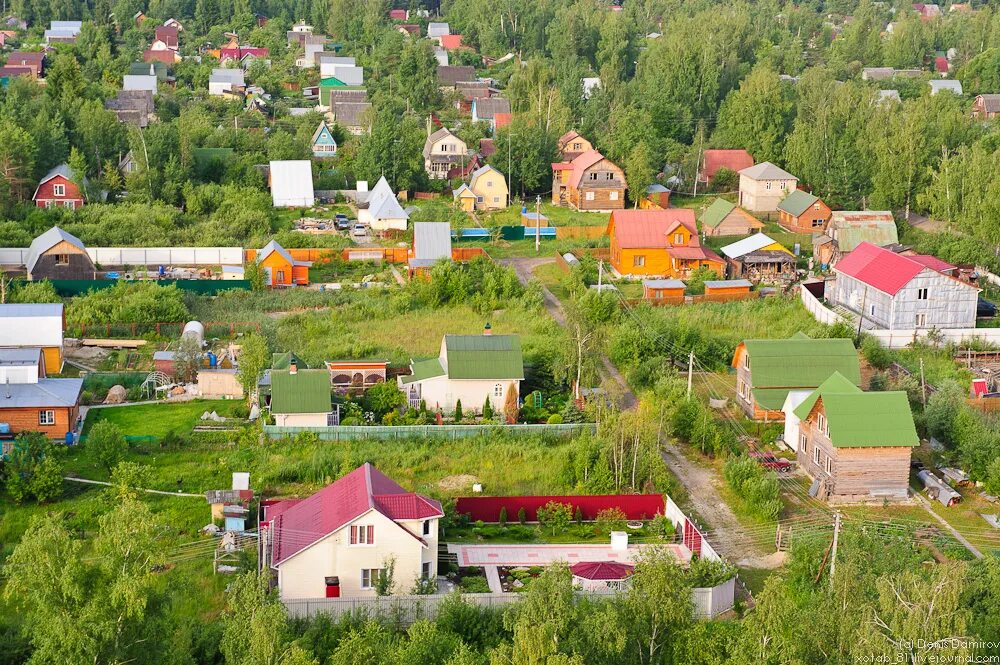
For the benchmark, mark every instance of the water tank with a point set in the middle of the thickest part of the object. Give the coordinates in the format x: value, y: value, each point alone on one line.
x: 4, y: 428
x: 69, y: 438
x: 213, y: 360
x: 195, y: 330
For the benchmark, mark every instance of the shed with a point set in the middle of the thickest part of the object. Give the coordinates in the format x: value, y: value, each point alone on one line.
x: 663, y: 289
x: 657, y: 196
x: 431, y: 244
x: 952, y: 86
x: 724, y: 218
x: 280, y: 268
x: 291, y: 183
x: 802, y: 212
x: 717, y: 287
x: 57, y: 254
x: 33, y: 326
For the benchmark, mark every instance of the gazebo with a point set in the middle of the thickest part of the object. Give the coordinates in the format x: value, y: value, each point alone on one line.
x: 600, y: 575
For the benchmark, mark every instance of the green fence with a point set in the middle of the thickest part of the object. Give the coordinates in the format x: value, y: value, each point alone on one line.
x: 205, y: 287
x: 349, y: 432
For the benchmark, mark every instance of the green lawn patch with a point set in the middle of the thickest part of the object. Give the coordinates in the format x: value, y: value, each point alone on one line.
x: 159, y: 419
x: 557, y: 215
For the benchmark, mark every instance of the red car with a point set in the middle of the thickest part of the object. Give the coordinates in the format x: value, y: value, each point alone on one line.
x: 772, y: 462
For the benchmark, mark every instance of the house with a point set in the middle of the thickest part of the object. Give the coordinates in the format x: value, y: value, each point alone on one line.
x: 471, y: 91
x: 952, y: 86
x: 431, y: 244
x: 449, y: 76
x: 352, y: 116
x: 31, y: 60
x: 855, y: 445
x: 450, y: 42
x: 408, y: 29
x: 398, y: 15
x: 986, y: 107
x: 146, y: 82
x: 490, y: 188
x: 436, y: 30
x: 759, y: 259
x: 485, y: 109
x: 657, y: 197
x: 342, y: 68
x: 174, y: 23
x: 241, y: 54
x: 590, y: 84
x: 57, y: 254
x: 470, y: 369
x: 301, y: 397
x: 715, y: 159
x: 724, y: 218
x: 658, y: 243
x: 589, y: 182
x: 59, y: 187
x: 441, y: 56
x: 291, y: 183
x: 443, y: 153
x: 464, y: 197
x: 21, y: 365
x: 223, y: 81
x: 801, y: 212
x: 166, y: 36
x: 849, y: 228
x: 280, y: 269
x: 323, y: 143
x: 49, y: 406
x: 165, y: 56
x: 767, y: 369
x: 355, y: 526
x: 668, y: 290
x: 571, y: 145
x: 132, y: 107
x: 898, y: 292
x: 300, y: 31
x: 312, y: 46
x: 380, y: 209
x: 35, y: 326
x: 764, y: 186
x: 889, y: 96
x: 63, y: 32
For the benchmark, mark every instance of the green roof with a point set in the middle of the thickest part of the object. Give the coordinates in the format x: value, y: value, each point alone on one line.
x: 863, y: 420
x: 780, y: 365
x: 484, y: 357
x: 877, y: 233
x: 283, y: 360
x: 306, y: 391
x: 424, y: 369
x: 716, y: 212
x: 332, y: 82
x: 797, y: 202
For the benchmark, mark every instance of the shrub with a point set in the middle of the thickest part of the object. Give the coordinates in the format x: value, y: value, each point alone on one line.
x: 706, y: 573
x: 578, y: 516
x: 757, y: 489
x: 487, y: 410
x: 522, y: 516
x: 661, y: 526
x: 555, y: 517
x: 503, y: 516
x: 474, y: 585
x: 555, y: 419
x: 571, y: 413
x: 877, y: 355
x: 458, y: 411
x: 611, y: 519
x: 106, y: 445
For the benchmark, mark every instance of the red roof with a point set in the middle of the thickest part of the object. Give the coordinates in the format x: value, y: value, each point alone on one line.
x: 487, y: 147
x: 879, y: 268
x: 941, y: 64
x: 366, y: 488
x: 397, y: 14
x: 933, y: 262
x: 693, y: 253
x: 502, y: 119
x: 562, y: 166
x: 642, y: 229
x: 734, y: 160
x: 583, y: 162
x: 241, y: 52
x: 601, y: 570
x: 449, y: 42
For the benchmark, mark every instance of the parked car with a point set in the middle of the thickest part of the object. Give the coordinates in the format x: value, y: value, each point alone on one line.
x: 772, y: 462
x: 359, y: 230
x: 342, y: 223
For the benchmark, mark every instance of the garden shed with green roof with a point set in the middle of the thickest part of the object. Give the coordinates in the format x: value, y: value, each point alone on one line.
x: 301, y: 397
x: 725, y: 218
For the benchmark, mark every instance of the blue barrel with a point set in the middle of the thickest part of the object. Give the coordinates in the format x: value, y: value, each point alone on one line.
x: 69, y: 438
x: 212, y: 359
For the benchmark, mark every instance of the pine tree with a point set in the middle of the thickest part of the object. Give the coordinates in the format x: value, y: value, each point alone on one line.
x: 458, y: 411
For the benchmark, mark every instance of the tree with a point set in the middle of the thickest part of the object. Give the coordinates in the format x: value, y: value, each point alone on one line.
x: 487, y: 409
x: 543, y: 621
x: 385, y: 580
x: 254, y: 627
x: 756, y: 116
x: 382, y: 398
x: 33, y: 469
x: 253, y: 272
x: 128, y: 479
x: 188, y: 358
x: 510, y: 408
x: 458, y: 411
x: 611, y: 519
x: 555, y: 517
x: 106, y: 445
x: 254, y: 358
x: 657, y: 605
x: 639, y: 172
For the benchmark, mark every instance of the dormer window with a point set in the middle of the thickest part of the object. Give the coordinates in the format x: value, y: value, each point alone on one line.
x: 592, y: 176
x: 678, y: 238
x: 822, y: 424
x: 577, y: 146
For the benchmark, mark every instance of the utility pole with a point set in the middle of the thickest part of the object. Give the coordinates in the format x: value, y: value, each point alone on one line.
x: 690, y: 373
x: 923, y: 384
x: 836, y: 532
x: 600, y: 274
x: 697, y: 164
x: 538, y: 222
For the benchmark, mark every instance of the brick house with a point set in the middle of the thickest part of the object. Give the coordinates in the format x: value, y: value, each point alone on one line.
x: 801, y: 212
x: 764, y: 186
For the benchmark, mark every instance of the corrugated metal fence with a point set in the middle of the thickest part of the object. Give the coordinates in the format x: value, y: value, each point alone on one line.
x: 348, y: 432
x: 207, y: 287
x: 487, y: 508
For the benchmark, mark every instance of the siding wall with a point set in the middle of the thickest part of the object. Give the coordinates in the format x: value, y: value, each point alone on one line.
x: 26, y: 420
x: 763, y: 195
x: 949, y: 303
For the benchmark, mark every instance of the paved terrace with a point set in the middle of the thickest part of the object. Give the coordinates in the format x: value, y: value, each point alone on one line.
x: 541, y: 555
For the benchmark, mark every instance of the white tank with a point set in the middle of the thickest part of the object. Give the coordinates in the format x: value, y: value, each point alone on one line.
x: 195, y: 330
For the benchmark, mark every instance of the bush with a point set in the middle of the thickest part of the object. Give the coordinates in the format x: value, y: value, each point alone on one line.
x: 555, y: 419
x: 474, y: 585
x: 611, y: 519
x: 106, y: 445
x: 487, y: 410
x: 522, y: 516
x: 706, y: 573
x: 458, y: 411
x: 503, y: 516
x: 757, y: 489
x: 129, y: 302
x: 875, y: 354
x: 555, y: 517
x: 571, y: 413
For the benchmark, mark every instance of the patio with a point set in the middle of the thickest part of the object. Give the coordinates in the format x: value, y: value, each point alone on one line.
x: 542, y: 555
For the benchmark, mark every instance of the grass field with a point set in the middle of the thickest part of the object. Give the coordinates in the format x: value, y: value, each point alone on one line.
x: 557, y: 215
x: 159, y: 419
x: 505, y: 249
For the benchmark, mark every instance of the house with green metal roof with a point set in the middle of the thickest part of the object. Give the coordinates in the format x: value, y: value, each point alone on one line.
x: 470, y: 368
x: 725, y: 218
x: 767, y: 369
x: 855, y: 445
x: 801, y: 212
x: 301, y: 397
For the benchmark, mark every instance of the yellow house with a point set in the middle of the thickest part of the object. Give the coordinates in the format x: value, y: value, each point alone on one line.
x: 661, y: 243
x: 490, y: 188
x: 465, y: 198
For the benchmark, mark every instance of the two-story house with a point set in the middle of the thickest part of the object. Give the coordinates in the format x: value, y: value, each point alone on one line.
x: 489, y: 187
x: 768, y: 369
x: 764, y: 186
x: 802, y: 212
x: 855, y: 445
x: 59, y: 188
x: 896, y: 292
x: 339, y: 541
x: 323, y: 142
x: 589, y: 182
x: 660, y: 243
x: 571, y: 145
x: 444, y: 153
x: 986, y: 107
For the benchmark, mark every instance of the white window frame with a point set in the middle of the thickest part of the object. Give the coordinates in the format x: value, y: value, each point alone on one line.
x: 498, y: 390
x: 828, y: 465
x: 821, y: 423
x: 816, y: 455
x: 678, y: 238
x: 46, y: 417
x: 589, y: 196
x: 426, y: 530
x: 803, y: 442
x: 921, y: 320
x: 69, y: 203
x: 368, y: 577
x: 58, y: 190
x: 613, y: 196
x: 425, y: 570
x: 922, y: 294
x: 638, y: 260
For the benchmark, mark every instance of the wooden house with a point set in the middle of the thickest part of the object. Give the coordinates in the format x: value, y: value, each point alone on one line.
x: 301, y: 397
x: 444, y: 153
x: 986, y: 107
x: 589, y: 182
x: 59, y: 187
x: 855, y: 445
x: 801, y: 212
x: 280, y: 269
x: 728, y: 289
x: 715, y: 159
x: 571, y: 145
x: 767, y: 369
x: 465, y: 198
x: 760, y: 259
x: 664, y: 290
x: 724, y: 218
x: 323, y: 143
x: 57, y: 254
x: 49, y: 406
x: 657, y: 197
x: 490, y: 188
x: 661, y: 243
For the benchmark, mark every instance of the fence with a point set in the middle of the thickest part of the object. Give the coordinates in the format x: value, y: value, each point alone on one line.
x: 145, y: 256
x: 820, y: 312
x: 350, y: 432
x: 585, y: 232
x: 487, y: 508
x: 162, y: 329
x: 693, y: 538
x: 205, y: 287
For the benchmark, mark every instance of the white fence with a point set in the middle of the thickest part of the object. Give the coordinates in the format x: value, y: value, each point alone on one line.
x: 144, y: 256
x: 819, y: 311
x: 711, y: 602
x: 678, y: 518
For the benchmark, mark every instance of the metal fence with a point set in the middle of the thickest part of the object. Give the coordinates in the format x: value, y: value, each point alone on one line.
x: 349, y: 432
x: 208, y: 287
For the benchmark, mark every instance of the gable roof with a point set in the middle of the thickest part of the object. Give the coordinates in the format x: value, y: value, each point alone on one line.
x: 431, y: 240
x: 581, y: 163
x: 424, y: 369
x: 44, y: 393
x: 716, y: 212
x: 858, y: 419
x: 734, y: 160
x: 488, y: 107
x: 463, y: 191
x: 47, y: 241
x: 797, y: 202
x: 233, y: 76
x: 756, y: 242
x: 991, y: 103
x: 366, y: 488
x: 306, y: 391
x: 431, y: 139
x: 481, y: 171
x: 835, y: 383
x: 382, y: 202
x: 641, y: 229
x: 454, y: 74
x: 349, y: 114
x: 438, y: 29
x: 767, y: 171
x: 491, y: 357
x: 322, y: 129
x: 879, y: 268
x: 273, y: 247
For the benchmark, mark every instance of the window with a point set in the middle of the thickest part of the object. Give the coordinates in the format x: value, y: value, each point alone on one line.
x: 577, y: 146
x: 592, y: 175
x: 496, y: 199
x: 803, y: 442
x: 363, y: 535
x: 746, y: 360
x: 829, y: 465
x: 46, y: 417
x: 921, y: 320
x: 817, y: 223
x: 638, y: 261
x: 425, y: 570
x: 427, y: 527
x: 871, y: 310
x: 678, y: 238
x: 498, y: 390
x: 613, y: 196
x: 479, y: 199
x: 921, y: 294
x: 767, y: 185
x: 50, y: 203
x: 821, y: 423
x: 69, y: 204
x: 589, y: 196
x: 609, y: 176
x: 59, y: 190
x: 816, y: 455
x: 489, y: 183
x: 369, y: 576
x: 281, y: 276
x: 62, y: 259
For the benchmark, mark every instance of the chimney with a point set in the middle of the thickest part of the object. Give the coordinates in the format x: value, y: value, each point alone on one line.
x: 293, y: 368
x: 487, y: 329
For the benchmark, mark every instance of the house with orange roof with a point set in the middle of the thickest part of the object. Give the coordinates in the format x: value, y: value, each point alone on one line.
x: 713, y: 160
x: 590, y: 182
x: 662, y: 243
x: 571, y: 145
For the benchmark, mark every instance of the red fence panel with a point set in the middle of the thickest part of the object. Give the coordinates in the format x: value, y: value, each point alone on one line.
x: 487, y: 508
x: 692, y: 537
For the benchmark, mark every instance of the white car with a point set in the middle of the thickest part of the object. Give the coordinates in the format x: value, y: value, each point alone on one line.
x: 359, y: 230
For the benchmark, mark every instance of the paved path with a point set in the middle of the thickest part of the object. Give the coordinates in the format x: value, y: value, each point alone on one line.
x: 540, y: 555
x: 493, y: 579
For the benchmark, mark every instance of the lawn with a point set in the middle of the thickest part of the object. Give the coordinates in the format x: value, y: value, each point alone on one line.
x: 505, y: 249
x: 557, y: 215
x: 159, y: 419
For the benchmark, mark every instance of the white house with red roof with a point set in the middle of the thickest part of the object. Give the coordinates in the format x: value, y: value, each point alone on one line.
x: 337, y: 542
x: 897, y: 292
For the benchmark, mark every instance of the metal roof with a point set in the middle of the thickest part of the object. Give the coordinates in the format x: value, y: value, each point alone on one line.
x: 727, y: 283
x: 45, y: 393
x: 749, y: 244
x: 306, y: 391
x: 779, y: 365
x: 31, y: 309
x: 484, y: 357
x: 424, y: 369
x: 20, y: 356
x: 863, y: 420
x: 664, y: 283
x: 797, y: 202
x: 717, y: 212
x: 767, y: 171
x: 234, y: 76
x: 432, y: 240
